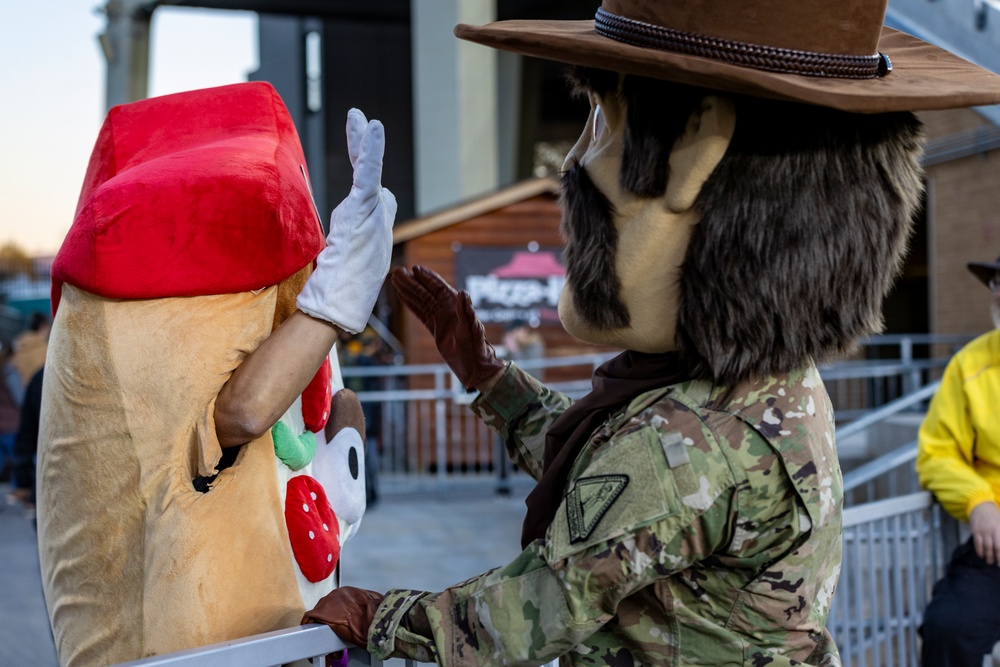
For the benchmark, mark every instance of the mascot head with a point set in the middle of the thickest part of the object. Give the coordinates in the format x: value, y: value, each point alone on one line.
x: 743, y: 190
x: 198, y: 193
x: 201, y: 192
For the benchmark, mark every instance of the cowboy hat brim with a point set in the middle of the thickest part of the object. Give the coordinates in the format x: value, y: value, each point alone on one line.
x: 923, y: 76
x: 984, y: 271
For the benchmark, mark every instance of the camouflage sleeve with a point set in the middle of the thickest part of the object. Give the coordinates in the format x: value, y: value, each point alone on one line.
x: 521, y: 409
x: 621, y: 527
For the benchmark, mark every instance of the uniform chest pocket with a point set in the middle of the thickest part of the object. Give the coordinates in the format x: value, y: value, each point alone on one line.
x: 625, y: 487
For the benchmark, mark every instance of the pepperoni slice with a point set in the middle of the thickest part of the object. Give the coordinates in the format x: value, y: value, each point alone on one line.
x: 312, y: 528
x: 316, y: 398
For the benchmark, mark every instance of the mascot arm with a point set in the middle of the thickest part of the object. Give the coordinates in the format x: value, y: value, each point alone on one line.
x: 340, y: 294
x: 521, y: 410
x: 269, y: 380
x: 536, y: 609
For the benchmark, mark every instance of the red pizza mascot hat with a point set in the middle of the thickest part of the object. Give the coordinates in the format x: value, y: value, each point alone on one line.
x: 192, y: 194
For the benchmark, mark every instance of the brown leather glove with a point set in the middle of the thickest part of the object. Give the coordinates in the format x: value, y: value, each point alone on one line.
x: 451, y: 319
x: 348, y: 611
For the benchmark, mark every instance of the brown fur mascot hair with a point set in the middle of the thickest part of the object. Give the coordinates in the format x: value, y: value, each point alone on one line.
x: 804, y: 223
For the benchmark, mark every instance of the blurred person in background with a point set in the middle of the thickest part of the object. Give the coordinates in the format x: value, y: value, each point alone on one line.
x: 26, y: 445
x: 11, y: 397
x: 959, y: 462
x: 523, y: 342
x: 31, y: 345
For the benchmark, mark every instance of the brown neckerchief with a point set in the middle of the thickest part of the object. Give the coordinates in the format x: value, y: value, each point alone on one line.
x: 615, y: 384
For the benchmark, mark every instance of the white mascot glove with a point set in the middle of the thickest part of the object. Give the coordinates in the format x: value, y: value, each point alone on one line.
x: 350, y: 270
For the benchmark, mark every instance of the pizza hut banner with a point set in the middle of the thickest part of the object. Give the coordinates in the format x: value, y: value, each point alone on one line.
x: 512, y: 283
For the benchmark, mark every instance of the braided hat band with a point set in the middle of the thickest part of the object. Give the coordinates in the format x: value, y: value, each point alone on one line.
x: 755, y: 56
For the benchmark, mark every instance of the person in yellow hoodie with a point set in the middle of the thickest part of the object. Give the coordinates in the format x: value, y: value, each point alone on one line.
x: 959, y: 462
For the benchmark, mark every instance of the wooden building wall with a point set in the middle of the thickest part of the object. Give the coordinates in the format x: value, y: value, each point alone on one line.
x: 964, y: 225
x: 534, y: 219
x: 470, y: 446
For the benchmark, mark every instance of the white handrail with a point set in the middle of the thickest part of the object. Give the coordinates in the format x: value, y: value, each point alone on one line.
x: 877, y: 467
x: 264, y: 650
x: 888, y: 410
x: 881, y: 509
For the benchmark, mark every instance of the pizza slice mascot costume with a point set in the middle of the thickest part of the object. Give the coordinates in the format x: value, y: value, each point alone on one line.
x: 734, y: 212
x: 194, y: 486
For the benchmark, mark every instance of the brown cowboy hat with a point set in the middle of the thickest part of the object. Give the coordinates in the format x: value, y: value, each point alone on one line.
x: 832, y: 53
x: 985, y: 270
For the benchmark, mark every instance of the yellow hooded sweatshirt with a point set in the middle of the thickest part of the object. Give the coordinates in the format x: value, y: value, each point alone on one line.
x: 959, y: 442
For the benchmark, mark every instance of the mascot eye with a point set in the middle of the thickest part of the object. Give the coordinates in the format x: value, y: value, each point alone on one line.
x: 598, y: 128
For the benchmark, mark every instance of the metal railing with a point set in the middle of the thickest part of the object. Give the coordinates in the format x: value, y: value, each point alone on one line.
x: 887, y: 368
x: 422, y: 434
x: 891, y: 474
x: 306, y: 642
x: 896, y: 544
x: 894, y: 549
x: 420, y: 426
x: 312, y: 642
x: 913, y: 399
x: 894, y: 552
x: 888, y: 476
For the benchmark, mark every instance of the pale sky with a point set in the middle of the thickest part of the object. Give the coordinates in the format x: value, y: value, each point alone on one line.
x: 52, y: 82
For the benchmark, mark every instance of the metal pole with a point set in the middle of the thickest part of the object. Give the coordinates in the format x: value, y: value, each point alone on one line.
x: 906, y: 356
x: 454, y: 104
x: 125, y: 43
x: 503, y: 465
x: 440, y: 434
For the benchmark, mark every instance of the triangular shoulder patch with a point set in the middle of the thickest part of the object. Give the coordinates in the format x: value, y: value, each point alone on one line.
x: 589, y: 500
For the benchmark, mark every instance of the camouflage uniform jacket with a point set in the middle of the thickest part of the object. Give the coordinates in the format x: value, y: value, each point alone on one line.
x: 691, y: 533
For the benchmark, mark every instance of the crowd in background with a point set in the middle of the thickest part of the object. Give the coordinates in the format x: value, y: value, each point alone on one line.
x: 22, y: 362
